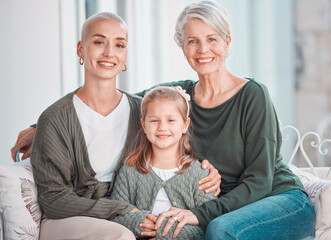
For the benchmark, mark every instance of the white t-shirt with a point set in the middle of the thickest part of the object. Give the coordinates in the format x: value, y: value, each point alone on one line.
x: 104, y: 135
x: 162, y: 202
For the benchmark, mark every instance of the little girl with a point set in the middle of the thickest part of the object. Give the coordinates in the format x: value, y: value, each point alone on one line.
x: 162, y: 172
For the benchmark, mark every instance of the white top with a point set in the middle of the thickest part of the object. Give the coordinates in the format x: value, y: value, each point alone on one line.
x: 162, y: 202
x: 104, y: 135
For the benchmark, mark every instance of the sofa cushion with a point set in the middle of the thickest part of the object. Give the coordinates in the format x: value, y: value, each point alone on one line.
x: 319, y: 194
x: 20, y: 210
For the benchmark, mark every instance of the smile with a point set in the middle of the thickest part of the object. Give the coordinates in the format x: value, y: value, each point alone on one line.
x: 107, y: 64
x: 204, y: 60
x: 162, y: 136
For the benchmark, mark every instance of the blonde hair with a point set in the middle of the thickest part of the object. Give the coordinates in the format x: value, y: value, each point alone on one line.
x: 141, y: 156
x: 99, y: 17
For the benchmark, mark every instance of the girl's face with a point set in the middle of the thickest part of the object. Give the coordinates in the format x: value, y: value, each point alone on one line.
x: 104, y: 50
x: 204, y: 48
x: 164, y: 125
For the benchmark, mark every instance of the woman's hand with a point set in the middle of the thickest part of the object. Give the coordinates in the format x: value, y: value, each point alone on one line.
x: 179, y: 215
x: 149, y: 225
x: 23, y: 143
x: 213, y: 181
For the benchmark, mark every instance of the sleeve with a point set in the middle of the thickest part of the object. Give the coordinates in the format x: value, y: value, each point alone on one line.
x: 261, y: 151
x: 54, y: 162
x: 123, y: 191
x: 185, y: 84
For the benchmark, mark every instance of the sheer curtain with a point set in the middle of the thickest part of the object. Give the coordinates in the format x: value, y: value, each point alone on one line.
x: 262, y: 45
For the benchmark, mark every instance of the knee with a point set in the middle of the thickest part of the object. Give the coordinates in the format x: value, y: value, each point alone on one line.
x: 122, y: 233
x: 219, y: 229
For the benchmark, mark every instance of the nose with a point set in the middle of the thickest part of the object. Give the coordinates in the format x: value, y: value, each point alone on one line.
x: 203, y: 47
x: 161, y: 126
x: 108, y: 51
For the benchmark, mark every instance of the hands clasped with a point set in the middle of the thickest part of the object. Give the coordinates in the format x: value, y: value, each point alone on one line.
x: 174, y: 215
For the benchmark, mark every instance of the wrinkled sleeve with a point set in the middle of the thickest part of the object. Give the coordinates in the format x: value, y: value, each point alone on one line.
x: 123, y: 191
x: 54, y: 171
x: 261, y: 133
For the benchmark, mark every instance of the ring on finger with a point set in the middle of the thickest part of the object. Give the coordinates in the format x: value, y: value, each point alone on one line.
x: 175, y: 219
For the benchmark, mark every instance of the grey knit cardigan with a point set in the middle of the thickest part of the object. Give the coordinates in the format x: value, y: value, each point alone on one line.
x: 65, y: 179
x: 140, y: 190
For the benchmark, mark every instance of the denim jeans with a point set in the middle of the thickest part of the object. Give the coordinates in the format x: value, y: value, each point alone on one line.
x: 288, y: 215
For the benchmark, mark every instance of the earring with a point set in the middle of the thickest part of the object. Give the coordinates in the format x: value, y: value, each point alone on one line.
x: 81, y: 61
x: 123, y: 70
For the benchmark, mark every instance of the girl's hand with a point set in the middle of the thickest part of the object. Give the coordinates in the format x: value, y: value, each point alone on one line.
x: 134, y: 210
x: 149, y: 225
x: 213, y: 181
x: 179, y: 215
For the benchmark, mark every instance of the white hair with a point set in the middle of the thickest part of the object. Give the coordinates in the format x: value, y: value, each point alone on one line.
x: 210, y: 12
x: 99, y: 17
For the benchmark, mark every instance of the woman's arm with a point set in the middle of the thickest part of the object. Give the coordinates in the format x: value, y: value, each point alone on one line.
x: 24, y: 143
x: 66, y: 186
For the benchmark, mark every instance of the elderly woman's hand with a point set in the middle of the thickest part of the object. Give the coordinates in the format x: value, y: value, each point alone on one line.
x: 213, y: 181
x: 179, y: 215
x: 23, y: 143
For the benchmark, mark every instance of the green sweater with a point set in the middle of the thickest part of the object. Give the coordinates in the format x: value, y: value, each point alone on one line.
x: 141, y: 190
x: 65, y: 179
x: 242, y: 139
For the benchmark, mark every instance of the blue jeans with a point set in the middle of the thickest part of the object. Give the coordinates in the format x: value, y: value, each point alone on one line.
x: 288, y: 215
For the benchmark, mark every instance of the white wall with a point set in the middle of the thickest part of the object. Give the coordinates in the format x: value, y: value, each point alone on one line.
x: 31, y: 74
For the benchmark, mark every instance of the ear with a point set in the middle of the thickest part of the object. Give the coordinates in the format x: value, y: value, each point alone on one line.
x: 186, y: 125
x: 228, y: 42
x: 80, y: 50
x: 142, y: 124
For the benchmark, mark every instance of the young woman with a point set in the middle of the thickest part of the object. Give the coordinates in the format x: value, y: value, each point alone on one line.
x: 163, y: 166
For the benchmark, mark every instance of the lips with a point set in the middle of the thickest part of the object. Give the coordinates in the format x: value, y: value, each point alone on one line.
x: 204, y: 60
x: 106, y: 64
x: 162, y: 136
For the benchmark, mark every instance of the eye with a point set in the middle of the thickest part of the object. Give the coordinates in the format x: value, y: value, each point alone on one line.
x: 192, y: 41
x: 212, y: 39
x: 119, y: 45
x: 98, y: 42
x: 172, y: 120
x: 154, y: 120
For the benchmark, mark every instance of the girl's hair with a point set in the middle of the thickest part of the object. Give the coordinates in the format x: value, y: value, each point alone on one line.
x: 210, y: 12
x: 99, y: 17
x: 142, y: 155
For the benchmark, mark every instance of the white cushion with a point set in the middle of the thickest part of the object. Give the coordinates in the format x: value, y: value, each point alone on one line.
x: 21, y: 213
x: 319, y: 194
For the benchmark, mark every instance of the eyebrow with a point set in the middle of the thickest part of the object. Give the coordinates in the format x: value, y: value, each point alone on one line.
x: 209, y: 35
x: 103, y: 36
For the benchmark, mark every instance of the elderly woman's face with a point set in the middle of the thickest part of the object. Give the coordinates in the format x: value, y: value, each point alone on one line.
x: 203, y: 47
x: 104, y: 50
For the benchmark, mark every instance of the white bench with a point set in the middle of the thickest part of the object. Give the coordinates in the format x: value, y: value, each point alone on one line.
x: 20, y: 211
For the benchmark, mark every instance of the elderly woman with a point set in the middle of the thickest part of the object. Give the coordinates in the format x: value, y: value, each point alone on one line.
x: 236, y: 129
x: 82, y: 139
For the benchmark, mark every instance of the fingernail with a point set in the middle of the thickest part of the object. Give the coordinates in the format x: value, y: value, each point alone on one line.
x: 140, y: 225
x: 142, y: 233
x: 199, y: 182
x: 200, y: 188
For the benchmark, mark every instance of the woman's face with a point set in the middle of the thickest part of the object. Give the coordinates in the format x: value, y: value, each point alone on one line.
x: 203, y: 47
x: 104, y: 50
